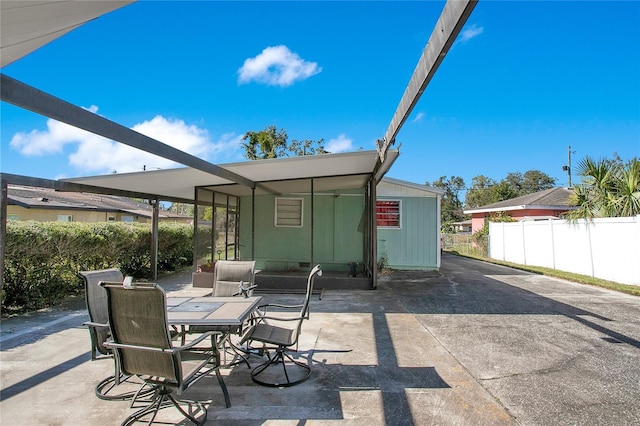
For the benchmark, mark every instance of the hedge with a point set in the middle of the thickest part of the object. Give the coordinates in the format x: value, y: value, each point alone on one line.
x: 42, y: 259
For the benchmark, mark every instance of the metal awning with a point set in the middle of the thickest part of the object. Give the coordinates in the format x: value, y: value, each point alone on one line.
x: 28, y: 25
x: 273, y: 176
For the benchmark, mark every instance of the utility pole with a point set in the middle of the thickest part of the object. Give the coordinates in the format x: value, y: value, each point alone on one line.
x: 567, y: 168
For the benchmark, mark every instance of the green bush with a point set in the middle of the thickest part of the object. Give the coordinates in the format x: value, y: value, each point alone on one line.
x: 42, y: 259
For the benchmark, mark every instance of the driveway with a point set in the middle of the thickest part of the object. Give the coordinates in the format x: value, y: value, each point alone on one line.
x: 471, y: 344
x: 550, y: 351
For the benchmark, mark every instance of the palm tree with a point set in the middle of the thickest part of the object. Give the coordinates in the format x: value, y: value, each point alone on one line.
x: 609, y: 188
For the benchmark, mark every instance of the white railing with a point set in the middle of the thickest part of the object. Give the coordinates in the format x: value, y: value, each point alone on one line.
x: 607, y: 248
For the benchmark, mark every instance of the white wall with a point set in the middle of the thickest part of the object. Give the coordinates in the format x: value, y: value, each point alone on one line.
x: 607, y: 248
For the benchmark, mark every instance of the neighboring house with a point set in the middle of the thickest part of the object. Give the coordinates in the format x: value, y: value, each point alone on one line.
x: 408, y: 219
x: 550, y: 203
x: 463, y: 227
x: 48, y: 205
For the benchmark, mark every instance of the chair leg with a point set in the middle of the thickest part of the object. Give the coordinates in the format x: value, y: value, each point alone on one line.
x: 104, y: 388
x: 281, y: 356
x: 165, y: 399
x: 198, y: 405
x: 223, y: 386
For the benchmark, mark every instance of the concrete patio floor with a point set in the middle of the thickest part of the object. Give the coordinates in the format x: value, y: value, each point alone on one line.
x: 471, y: 344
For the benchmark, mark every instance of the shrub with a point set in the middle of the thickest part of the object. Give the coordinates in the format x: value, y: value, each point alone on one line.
x: 42, y: 259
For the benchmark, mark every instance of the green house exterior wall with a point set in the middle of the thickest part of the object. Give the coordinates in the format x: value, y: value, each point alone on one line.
x: 415, y: 245
x: 338, y: 233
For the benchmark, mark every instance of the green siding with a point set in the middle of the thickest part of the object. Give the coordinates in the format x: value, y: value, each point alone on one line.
x: 338, y: 233
x: 415, y: 245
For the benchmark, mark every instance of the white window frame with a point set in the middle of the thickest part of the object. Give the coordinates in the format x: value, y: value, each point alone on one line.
x: 127, y: 218
x: 13, y: 217
x: 399, y: 226
x: 278, y: 221
x: 65, y: 218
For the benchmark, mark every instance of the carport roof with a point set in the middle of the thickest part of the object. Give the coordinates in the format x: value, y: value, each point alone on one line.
x: 273, y: 176
x: 29, y: 25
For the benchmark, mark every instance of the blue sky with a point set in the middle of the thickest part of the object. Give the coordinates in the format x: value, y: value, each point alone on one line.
x: 523, y: 81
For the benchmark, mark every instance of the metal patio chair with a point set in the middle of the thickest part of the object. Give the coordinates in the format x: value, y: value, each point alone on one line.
x: 143, y: 345
x: 279, y: 331
x: 228, y: 275
x: 99, y: 331
x: 231, y: 278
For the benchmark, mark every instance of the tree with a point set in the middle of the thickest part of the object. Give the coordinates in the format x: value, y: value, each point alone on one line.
x: 307, y: 147
x: 608, y: 188
x: 485, y: 191
x: 267, y: 143
x: 451, y: 207
x: 480, y: 192
x: 535, y: 181
x: 272, y: 143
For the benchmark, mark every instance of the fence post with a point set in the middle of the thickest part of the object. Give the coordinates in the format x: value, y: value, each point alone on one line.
x: 588, y: 225
x: 553, y: 245
x: 524, y: 247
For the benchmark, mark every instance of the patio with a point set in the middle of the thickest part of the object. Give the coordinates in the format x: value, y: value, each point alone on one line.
x: 471, y: 344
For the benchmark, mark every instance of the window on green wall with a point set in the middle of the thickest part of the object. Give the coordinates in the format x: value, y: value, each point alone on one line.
x: 388, y: 213
x: 289, y: 212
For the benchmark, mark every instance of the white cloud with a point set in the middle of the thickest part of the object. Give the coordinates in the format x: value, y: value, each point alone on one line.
x: 95, y: 154
x: 419, y: 117
x: 50, y: 141
x: 339, y: 144
x: 277, y: 66
x: 470, y: 32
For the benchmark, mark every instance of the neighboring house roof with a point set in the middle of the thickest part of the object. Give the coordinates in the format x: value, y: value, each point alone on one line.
x: 549, y: 199
x: 43, y: 198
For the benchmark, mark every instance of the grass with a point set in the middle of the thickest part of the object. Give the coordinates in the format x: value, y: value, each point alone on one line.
x: 633, y: 290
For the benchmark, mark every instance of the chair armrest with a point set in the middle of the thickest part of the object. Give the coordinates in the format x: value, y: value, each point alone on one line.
x: 281, y: 318
x: 95, y: 324
x: 166, y: 350
x: 193, y: 343
x: 244, y: 291
x: 277, y: 305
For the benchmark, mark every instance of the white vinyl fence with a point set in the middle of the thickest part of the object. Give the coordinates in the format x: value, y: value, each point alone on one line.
x: 607, y: 248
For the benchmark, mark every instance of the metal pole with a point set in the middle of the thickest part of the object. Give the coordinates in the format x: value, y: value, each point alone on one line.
x: 312, y: 223
x: 569, y: 166
x: 253, y: 224
x: 195, y: 230
x: 374, y: 231
x: 3, y: 228
x: 154, y: 238
x: 226, y: 231
x: 214, y: 235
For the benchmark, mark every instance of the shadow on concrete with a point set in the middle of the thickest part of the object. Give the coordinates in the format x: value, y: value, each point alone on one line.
x: 43, y: 376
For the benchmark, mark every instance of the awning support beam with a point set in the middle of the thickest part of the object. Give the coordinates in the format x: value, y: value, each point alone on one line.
x: 452, y: 19
x: 32, y: 99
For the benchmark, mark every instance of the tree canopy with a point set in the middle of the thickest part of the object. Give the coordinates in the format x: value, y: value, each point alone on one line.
x: 272, y: 143
x: 485, y: 190
x: 608, y: 188
x: 451, y: 207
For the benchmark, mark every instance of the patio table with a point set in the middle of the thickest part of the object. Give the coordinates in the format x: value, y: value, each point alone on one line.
x: 224, y: 314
